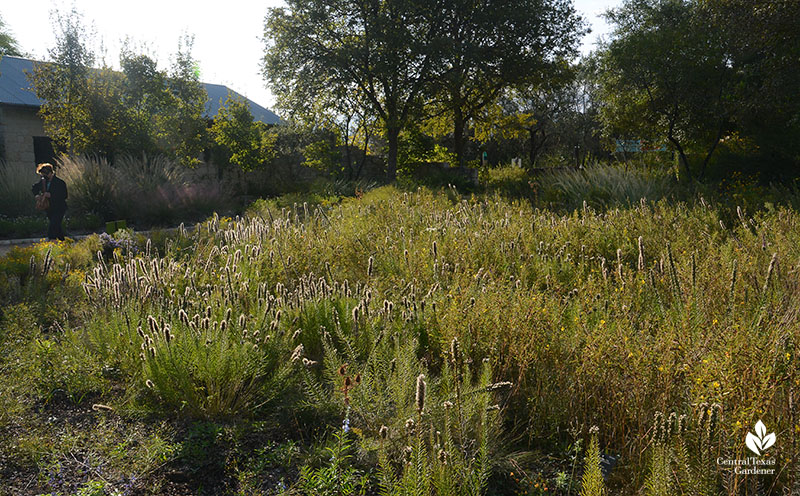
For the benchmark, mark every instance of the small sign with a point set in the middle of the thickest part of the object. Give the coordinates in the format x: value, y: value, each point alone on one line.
x: 638, y: 146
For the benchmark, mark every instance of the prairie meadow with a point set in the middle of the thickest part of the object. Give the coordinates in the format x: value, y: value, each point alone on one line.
x: 410, y: 342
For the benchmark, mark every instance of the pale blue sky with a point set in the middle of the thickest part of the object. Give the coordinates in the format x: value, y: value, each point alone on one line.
x: 227, y: 34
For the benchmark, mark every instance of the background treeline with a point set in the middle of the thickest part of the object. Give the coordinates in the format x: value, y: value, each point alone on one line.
x: 374, y: 92
x: 712, y: 80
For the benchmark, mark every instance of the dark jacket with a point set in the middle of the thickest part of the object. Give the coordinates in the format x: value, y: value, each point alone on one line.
x: 58, y: 194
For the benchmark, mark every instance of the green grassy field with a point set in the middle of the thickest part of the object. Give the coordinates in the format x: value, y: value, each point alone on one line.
x: 408, y: 343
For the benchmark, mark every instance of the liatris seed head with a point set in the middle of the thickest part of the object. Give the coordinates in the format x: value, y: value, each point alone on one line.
x: 296, y: 334
x: 499, y: 385
x: 419, y: 397
x: 370, y: 266
x: 672, y: 421
x: 641, y: 253
x: 384, y: 432
x: 183, y: 316
x: 770, y: 269
x: 455, y: 351
x: 149, y: 384
x: 152, y: 324
x: 297, y: 354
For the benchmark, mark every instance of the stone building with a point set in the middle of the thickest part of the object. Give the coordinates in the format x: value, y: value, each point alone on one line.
x: 22, y: 137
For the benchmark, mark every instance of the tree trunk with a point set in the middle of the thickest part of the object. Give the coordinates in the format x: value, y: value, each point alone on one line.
x: 711, y: 151
x: 536, y: 146
x: 682, y: 155
x: 532, y: 154
x: 364, y: 156
x: 393, y: 136
x: 458, y: 136
x: 349, y: 159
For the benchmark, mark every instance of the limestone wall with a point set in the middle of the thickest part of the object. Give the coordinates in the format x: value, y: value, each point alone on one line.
x: 18, y: 126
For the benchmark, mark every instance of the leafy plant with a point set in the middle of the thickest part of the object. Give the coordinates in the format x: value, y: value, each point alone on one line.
x: 592, y: 480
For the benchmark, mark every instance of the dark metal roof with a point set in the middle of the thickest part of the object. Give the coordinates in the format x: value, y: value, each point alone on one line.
x: 15, y: 89
x: 218, y: 95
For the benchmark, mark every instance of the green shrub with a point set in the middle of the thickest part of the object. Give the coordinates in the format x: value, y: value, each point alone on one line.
x: 511, y: 182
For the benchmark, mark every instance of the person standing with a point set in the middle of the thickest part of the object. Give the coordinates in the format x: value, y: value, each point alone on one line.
x: 55, y: 190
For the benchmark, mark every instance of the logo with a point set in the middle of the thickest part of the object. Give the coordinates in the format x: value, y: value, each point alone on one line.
x: 760, y: 441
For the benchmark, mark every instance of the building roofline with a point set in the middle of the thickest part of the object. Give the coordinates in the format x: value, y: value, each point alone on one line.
x: 15, y: 89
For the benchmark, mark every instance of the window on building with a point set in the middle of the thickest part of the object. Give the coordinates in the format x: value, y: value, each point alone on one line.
x: 43, y: 150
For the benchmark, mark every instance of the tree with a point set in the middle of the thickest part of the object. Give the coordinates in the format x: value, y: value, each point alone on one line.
x: 144, y: 100
x: 531, y: 110
x: 667, y: 72
x: 557, y: 114
x: 187, y: 105
x: 249, y: 143
x: 139, y: 110
x: 8, y: 44
x: 764, y: 46
x: 165, y: 108
x: 62, y: 84
x: 491, y: 45
x: 385, y: 50
x: 345, y: 113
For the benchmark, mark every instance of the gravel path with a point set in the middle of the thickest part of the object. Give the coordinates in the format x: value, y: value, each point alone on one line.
x: 7, y: 244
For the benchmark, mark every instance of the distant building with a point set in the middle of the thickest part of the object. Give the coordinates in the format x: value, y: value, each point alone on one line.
x: 22, y: 136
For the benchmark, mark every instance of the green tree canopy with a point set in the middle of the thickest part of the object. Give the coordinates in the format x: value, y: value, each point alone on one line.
x: 141, y: 109
x: 491, y: 45
x: 8, y: 44
x: 385, y: 50
x: 763, y: 41
x: 63, y: 84
x: 248, y: 143
x: 667, y: 74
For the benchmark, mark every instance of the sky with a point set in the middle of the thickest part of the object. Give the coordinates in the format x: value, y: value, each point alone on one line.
x: 228, y: 42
